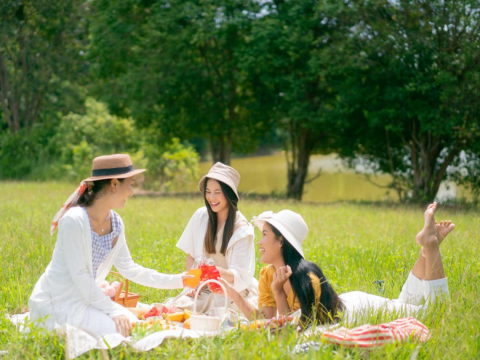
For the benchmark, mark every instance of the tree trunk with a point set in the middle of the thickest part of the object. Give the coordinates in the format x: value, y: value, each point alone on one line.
x: 302, y: 143
x: 221, y: 149
x: 427, y: 176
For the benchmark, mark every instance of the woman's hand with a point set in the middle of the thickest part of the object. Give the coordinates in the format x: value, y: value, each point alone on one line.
x: 185, y: 276
x: 123, y: 325
x: 231, y: 292
x: 191, y: 293
x: 280, y: 277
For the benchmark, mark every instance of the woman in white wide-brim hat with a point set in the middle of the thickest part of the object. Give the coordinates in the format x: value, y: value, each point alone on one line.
x: 91, y: 238
x: 290, y: 282
x: 219, y: 231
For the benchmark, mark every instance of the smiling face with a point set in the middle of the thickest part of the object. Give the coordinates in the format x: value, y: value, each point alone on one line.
x: 123, y: 190
x: 215, y: 196
x: 270, y: 246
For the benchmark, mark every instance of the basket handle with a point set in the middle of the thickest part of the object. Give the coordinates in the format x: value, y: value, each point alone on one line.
x: 202, y: 285
x: 119, y: 291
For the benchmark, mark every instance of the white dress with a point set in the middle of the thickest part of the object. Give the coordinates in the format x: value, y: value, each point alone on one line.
x: 67, y: 293
x: 415, y: 296
x: 239, y: 255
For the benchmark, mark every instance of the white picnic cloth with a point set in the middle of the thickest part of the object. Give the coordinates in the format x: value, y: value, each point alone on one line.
x: 79, y: 341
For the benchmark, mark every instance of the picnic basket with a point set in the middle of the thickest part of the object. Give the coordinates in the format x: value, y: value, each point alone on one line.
x: 123, y: 297
x: 200, y: 322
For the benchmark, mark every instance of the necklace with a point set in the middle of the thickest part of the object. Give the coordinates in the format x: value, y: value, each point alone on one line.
x: 98, y: 218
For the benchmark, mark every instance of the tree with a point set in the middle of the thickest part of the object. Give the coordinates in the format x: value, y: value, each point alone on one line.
x: 409, y: 99
x: 40, y: 51
x: 290, y: 71
x: 178, y: 64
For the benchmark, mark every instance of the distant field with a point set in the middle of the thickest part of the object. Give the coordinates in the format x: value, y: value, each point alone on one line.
x: 268, y: 174
x: 354, y: 244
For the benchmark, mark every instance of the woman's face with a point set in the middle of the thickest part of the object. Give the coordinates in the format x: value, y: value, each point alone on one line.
x: 270, y: 246
x: 123, y: 190
x: 215, y: 196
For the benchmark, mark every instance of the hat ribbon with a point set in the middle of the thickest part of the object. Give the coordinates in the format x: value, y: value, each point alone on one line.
x: 264, y: 216
x: 71, y: 201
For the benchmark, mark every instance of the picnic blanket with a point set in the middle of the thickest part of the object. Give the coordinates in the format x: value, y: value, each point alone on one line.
x: 371, y: 336
x: 79, y: 341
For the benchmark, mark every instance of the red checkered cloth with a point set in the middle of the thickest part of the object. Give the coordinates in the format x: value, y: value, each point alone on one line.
x: 368, y: 336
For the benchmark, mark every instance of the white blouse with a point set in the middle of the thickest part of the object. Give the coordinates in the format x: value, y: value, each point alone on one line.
x: 240, y: 253
x: 67, y: 288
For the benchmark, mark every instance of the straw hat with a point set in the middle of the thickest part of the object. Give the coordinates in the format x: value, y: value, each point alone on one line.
x: 223, y: 173
x: 117, y: 166
x: 292, y: 226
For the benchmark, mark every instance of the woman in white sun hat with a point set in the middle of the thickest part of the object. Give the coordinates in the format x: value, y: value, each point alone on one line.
x: 91, y: 238
x: 219, y: 231
x: 290, y: 282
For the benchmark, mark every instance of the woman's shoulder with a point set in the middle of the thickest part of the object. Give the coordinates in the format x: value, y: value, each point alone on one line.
x: 315, y: 279
x: 267, y: 271
x: 117, y: 217
x: 241, y: 221
x: 201, y: 212
x: 74, y: 213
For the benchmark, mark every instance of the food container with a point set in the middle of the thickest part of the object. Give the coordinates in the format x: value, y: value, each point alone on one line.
x: 200, y: 322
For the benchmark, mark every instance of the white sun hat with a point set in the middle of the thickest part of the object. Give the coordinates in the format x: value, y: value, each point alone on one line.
x: 292, y: 226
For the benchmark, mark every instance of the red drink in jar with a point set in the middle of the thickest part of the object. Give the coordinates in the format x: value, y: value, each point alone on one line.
x: 214, y: 275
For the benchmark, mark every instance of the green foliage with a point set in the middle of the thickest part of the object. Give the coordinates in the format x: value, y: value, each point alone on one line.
x: 41, y: 48
x: 180, y: 67
x: 352, y: 252
x: 81, y: 137
x: 65, y: 150
x: 171, y: 167
x: 289, y: 65
x: 409, y: 93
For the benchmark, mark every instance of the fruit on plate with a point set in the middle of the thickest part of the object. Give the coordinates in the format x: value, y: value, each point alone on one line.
x: 186, y: 315
x: 178, y: 316
x: 152, y: 312
x: 272, y: 324
x: 138, y: 312
x: 186, y: 324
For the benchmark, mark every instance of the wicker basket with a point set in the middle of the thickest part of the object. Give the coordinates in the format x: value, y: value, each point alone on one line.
x: 122, y: 297
x: 201, y: 322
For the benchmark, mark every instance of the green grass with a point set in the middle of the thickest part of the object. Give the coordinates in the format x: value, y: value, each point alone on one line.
x: 355, y: 244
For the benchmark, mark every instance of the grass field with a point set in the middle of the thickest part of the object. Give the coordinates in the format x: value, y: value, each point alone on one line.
x: 354, y: 244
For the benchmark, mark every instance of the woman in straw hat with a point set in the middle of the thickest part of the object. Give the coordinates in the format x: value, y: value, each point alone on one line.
x: 290, y: 282
x: 91, y: 238
x: 221, y: 232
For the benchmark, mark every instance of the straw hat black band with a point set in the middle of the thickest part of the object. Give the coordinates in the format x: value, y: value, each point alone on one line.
x: 112, y: 171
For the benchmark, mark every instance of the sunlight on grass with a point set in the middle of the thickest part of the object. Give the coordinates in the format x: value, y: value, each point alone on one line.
x: 354, y: 244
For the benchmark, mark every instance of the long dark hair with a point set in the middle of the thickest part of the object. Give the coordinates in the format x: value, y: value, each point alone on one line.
x: 326, y: 310
x: 91, y: 193
x: 210, y: 236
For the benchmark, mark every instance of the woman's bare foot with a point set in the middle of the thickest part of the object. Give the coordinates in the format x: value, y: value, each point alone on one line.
x: 427, y: 237
x: 443, y: 229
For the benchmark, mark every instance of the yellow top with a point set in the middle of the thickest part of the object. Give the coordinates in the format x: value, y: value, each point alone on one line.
x: 266, y: 298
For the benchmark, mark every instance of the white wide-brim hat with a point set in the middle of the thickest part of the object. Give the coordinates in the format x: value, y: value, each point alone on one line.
x: 292, y: 226
x: 223, y: 173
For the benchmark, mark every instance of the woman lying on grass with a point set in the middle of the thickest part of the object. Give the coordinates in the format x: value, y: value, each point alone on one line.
x: 91, y: 238
x: 290, y: 282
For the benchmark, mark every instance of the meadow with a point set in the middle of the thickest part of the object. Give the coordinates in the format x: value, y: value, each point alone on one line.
x: 355, y: 244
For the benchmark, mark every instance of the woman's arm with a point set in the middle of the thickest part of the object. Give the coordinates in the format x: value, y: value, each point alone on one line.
x: 190, y: 261
x: 241, y: 263
x: 244, y: 305
x: 226, y: 274
x: 280, y: 277
x: 144, y: 276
